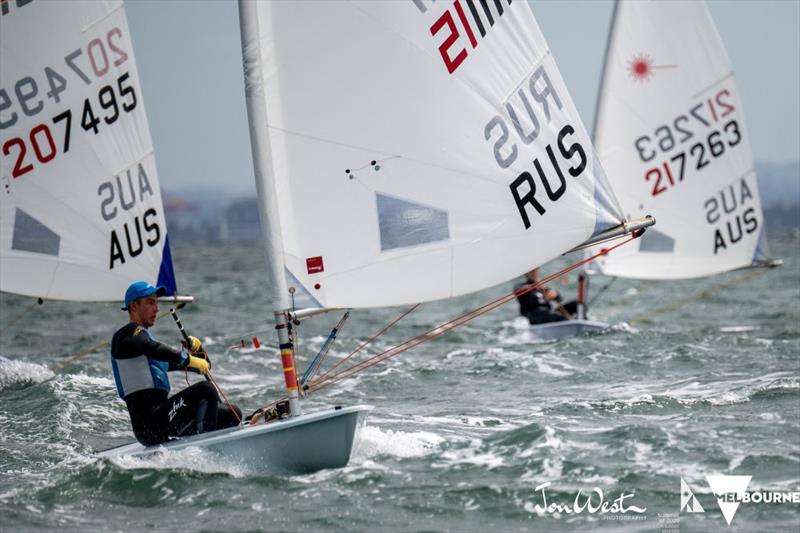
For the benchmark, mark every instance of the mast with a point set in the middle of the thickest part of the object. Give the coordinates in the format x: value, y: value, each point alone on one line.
x: 266, y: 190
x: 598, y: 102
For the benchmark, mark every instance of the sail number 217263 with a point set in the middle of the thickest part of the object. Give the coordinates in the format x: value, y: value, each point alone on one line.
x: 708, y: 126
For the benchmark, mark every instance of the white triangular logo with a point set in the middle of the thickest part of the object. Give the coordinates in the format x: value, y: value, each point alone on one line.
x: 721, y: 485
x: 689, y: 502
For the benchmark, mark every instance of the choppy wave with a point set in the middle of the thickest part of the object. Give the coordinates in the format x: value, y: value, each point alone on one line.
x: 13, y: 373
x: 464, y: 427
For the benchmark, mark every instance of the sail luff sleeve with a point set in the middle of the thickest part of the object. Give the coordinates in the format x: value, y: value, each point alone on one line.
x: 262, y: 153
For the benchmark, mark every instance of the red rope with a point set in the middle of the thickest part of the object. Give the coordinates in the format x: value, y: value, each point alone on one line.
x: 219, y: 390
x: 366, y: 343
x: 327, y: 379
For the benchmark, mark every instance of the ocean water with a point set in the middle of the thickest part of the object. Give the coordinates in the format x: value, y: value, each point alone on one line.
x: 469, y: 433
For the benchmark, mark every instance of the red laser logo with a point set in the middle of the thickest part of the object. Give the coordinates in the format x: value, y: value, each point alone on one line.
x: 641, y: 67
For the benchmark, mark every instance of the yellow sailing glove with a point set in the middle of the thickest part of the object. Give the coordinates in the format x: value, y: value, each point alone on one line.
x: 198, y: 364
x: 193, y: 344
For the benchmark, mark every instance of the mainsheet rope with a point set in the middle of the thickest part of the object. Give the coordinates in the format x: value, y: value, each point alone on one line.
x: 600, y: 292
x: 97, y: 347
x: 38, y: 301
x: 705, y: 293
x: 219, y: 390
x: 329, y: 378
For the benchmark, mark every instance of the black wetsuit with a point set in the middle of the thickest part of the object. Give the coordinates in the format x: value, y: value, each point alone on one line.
x: 537, y: 309
x: 140, y: 365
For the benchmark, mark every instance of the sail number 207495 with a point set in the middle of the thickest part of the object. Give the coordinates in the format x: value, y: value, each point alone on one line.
x: 82, y: 67
x: 41, y: 140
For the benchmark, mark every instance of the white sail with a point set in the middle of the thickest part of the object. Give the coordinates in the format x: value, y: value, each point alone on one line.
x: 671, y: 134
x: 81, y: 215
x: 413, y: 150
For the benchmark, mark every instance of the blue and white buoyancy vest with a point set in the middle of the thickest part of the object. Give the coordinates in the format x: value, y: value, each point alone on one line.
x: 140, y: 373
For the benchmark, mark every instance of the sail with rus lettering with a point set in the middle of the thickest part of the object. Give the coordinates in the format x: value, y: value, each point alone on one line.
x: 81, y: 215
x: 403, y: 152
x: 412, y: 151
x: 671, y: 133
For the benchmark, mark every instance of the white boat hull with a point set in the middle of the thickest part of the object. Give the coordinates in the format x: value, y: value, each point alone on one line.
x: 296, y: 445
x: 566, y: 328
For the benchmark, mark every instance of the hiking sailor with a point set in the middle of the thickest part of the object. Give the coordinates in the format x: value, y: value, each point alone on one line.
x: 140, y: 365
x: 542, y: 305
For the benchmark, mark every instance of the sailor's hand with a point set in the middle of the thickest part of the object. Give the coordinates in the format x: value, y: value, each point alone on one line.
x: 193, y: 344
x: 198, y: 364
x: 550, y: 294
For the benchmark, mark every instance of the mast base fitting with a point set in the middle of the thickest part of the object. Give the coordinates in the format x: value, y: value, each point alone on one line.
x: 279, y: 411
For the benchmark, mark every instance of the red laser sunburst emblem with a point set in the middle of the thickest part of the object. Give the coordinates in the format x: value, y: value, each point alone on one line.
x: 641, y: 67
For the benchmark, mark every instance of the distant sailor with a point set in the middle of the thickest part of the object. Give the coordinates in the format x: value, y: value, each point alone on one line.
x: 140, y: 365
x: 542, y: 305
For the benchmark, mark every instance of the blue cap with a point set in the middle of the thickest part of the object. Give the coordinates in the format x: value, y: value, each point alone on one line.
x: 140, y: 289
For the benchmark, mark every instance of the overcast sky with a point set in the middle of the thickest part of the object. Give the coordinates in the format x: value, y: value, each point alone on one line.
x: 189, y: 58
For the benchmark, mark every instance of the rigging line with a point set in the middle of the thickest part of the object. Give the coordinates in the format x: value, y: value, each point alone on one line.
x: 428, y: 335
x: 99, y: 346
x: 366, y: 343
x: 643, y: 287
x: 219, y: 390
x: 263, y: 410
x: 81, y: 355
x: 563, y: 310
x: 387, y: 155
x: 38, y: 301
x: 601, y: 291
x: 419, y: 339
x: 697, y: 297
x: 438, y: 330
x: 447, y: 326
x: 316, y: 363
x: 241, y: 343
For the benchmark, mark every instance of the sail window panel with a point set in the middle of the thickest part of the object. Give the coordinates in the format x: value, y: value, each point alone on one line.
x: 403, y: 223
x: 653, y: 241
x: 30, y: 235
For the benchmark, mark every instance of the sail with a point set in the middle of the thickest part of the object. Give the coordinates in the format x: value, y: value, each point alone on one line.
x: 81, y: 215
x: 671, y: 134
x: 408, y: 151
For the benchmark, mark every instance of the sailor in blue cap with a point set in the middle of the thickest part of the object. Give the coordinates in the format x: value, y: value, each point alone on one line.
x: 140, y: 365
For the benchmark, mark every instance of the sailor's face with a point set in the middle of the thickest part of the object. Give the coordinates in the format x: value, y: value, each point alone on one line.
x: 145, y: 310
